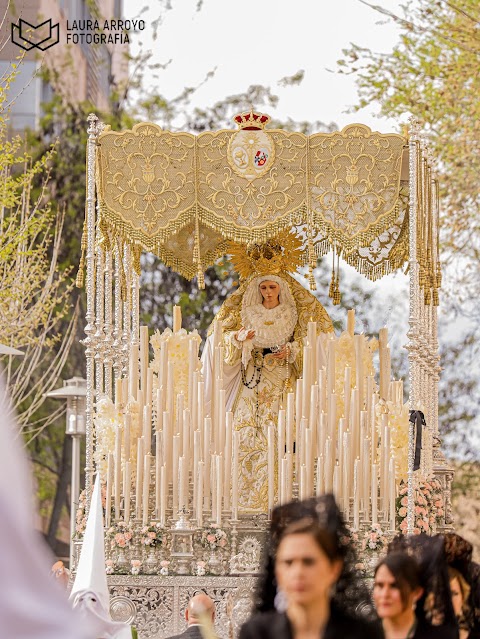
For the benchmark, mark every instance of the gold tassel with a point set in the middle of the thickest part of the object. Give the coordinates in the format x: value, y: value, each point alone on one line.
x: 80, y: 279
x: 137, y: 252
x: 123, y: 277
x: 337, y: 296
x: 435, y: 300
x: 196, y: 255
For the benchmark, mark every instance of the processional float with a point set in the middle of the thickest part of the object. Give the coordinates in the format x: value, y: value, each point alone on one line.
x: 368, y: 198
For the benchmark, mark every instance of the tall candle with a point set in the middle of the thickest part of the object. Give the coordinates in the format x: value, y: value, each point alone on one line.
x: 158, y: 467
x: 127, y: 481
x: 303, y: 482
x: 290, y: 421
x: 271, y: 466
x: 235, y: 474
x: 177, y: 318
x: 392, y: 492
x: 347, y: 389
x: 228, y: 459
x: 146, y: 487
x: 221, y: 420
x: 281, y: 437
x: 170, y: 388
x: 309, y: 461
x: 147, y: 428
x: 351, y: 321
x: 118, y: 393
x: 139, y: 479
x: 200, y: 481
x: 197, y: 450
x: 118, y: 470
x: 133, y: 371
x: 356, y: 496
x: 321, y: 355
x: 163, y: 494
x: 108, y: 505
x: 283, y: 480
x: 207, y: 457
x: 181, y: 493
x: 331, y: 367
x: 359, y: 374
x: 307, y: 381
x: 319, y: 489
x: 176, y: 455
x: 218, y: 481
x: 374, y: 494
x: 336, y: 487
x: 143, y: 357
x: 126, y: 438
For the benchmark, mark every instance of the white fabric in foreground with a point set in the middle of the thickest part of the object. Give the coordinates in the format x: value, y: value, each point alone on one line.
x: 32, y: 604
x: 90, y: 594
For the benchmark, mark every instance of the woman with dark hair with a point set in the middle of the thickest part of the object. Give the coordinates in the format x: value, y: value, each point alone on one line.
x: 411, y: 591
x: 309, y: 587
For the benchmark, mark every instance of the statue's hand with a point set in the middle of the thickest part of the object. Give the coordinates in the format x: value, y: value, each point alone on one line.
x: 243, y: 334
x: 282, y: 354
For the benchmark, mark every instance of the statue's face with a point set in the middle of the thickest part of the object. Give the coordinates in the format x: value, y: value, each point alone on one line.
x: 270, y: 292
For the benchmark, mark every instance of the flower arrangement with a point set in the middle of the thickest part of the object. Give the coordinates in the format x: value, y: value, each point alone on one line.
x: 213, y: 537
x: 109, y: 567
x: 153, y: 535
x: 135, y: 563
x: 200, y: 568
x: 429, y: 506
x: 374, y: 539
x: 120, y: 535
x: 164, y: 567
x: 81, y: 514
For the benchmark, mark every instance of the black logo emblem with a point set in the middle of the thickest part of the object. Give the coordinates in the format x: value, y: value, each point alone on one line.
x: 28, y: 36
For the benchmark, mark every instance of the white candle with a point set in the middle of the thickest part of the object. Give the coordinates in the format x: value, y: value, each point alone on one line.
x: 118, y: 470
x: 167, y: 445
x: 392, y: 491
x: 359, y: 375
x: 374, y: 494
x: 347, y: 387
x: 127, y: 480
x: 176, y: 455
x: 218, y: 482
x: 147, y: 428
x: 108, y: 505
x: 283, y: 480
x: 320, y: 477
x: 221, y: 420
x: 351, y: 321
x: 336, y: 487
x: 281, y: 436
x: 118, y: 393
x: 303, y: 482
x: 158, y: 466
x: 186, y: 437
x: 228, y: 460
x: 356, y: 496
x: 177, y: 318
x: 328, y: 465
x: 307, y: 381
x: 163, y: 493
x: 170, y: 388
x: 309, y: 461
x: 139, y: 479
x: 196, y: 458
x: 235, y: 475
x: 143, y: 357
x: 133, y: 371
x: 321, y: 355
x: 182, y: 466
x: 199, y: 509
x: 331, y: 367
x: 126, y: 438
x: 207, y: 457
x: 162, y: 372
x: 271, y: 467
x: 346, y: 473
x: 290, y: 421
x: 146, y: 487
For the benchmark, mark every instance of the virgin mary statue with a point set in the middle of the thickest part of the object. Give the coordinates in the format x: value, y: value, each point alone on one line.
x: 263, y: 325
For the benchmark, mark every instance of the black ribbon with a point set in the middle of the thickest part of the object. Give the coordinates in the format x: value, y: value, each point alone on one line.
x: 417, y: 418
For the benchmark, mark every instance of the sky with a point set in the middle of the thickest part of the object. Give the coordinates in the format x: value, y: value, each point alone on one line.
x: 260, y: 43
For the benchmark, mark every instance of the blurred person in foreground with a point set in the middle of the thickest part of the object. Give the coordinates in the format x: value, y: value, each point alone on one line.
x: 411, y: 590
x: 464, y: 583
x: 200, y: 609
x: 32, y: 604
x: 309, y: 586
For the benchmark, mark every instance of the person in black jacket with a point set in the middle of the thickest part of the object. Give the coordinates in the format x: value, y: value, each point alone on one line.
x: 198, y: 606
x: 309, y: 586
x: 411, y: 590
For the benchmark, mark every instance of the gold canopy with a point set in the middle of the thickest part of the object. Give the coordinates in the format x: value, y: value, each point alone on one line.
x: 183, y: 196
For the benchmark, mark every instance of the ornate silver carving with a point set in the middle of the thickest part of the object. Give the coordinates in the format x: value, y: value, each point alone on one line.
x: 160, y: 602
x: 247, y: 561
x: 122, y: 609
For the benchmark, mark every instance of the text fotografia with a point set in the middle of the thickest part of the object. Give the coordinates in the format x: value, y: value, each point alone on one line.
x: 102, y: 31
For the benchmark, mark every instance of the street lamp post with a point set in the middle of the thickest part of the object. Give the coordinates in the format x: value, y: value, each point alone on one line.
x: 74, y: 391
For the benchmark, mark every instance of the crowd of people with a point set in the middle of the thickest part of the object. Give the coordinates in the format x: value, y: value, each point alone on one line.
x: 310, y: 587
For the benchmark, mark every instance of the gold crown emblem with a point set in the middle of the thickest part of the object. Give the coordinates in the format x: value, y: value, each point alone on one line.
x: 251, y: 120
x: 281, y: 254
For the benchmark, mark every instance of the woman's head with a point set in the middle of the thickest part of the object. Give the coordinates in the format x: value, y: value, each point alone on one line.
x: 397, y: 585
x: 270, y: 292
x: 459, y: 589
x: 307, y: 562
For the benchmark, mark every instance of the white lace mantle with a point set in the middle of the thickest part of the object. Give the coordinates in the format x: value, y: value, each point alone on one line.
x: 272, y: 326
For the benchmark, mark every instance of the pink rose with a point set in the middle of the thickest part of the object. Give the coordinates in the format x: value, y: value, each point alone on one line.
x: 152, y: 535
x: 210, y: 538
x: 121, y: 543
x: 404, y: 501
x: 402, y: 512
x: 223, y: 543
x: 128, y: 536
